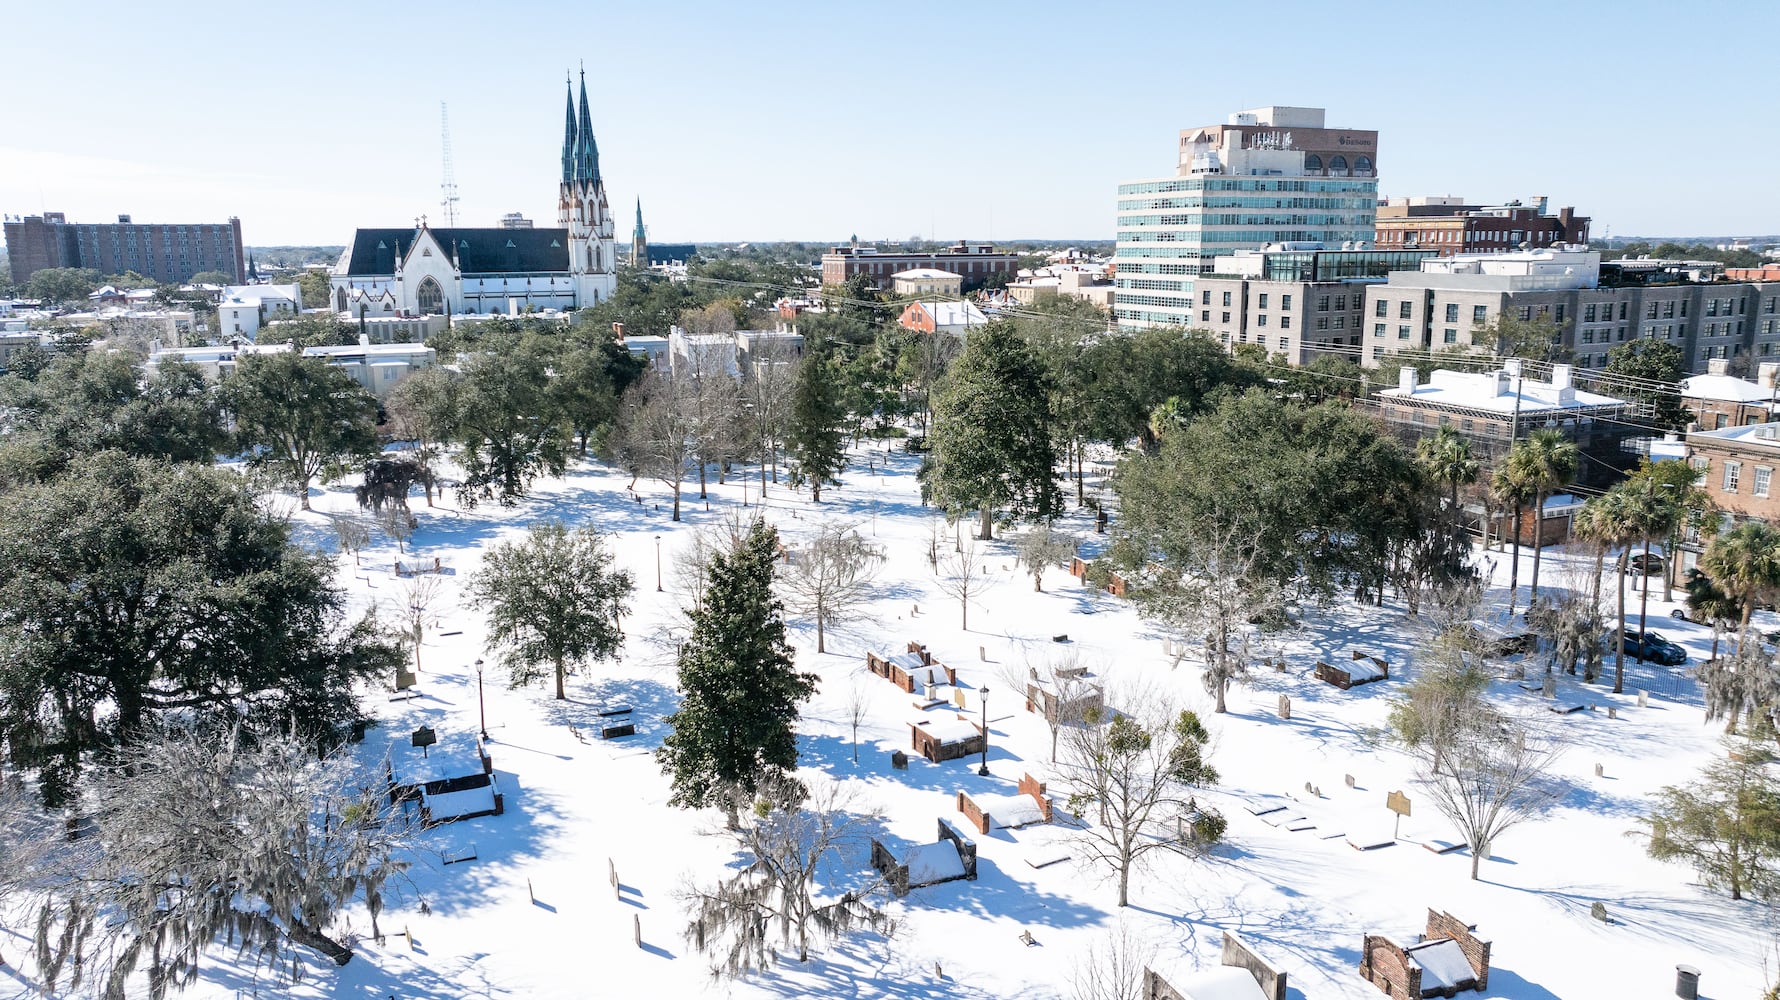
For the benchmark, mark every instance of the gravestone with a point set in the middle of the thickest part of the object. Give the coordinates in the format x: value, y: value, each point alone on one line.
x: 1612, y: 713
x: 1285, y: 706
x: 1350, y: 781
x: 1643, y: 699
x: 612, y: 869
x: 1549, y: 687
x: 899, y: 760
x: 637, y: 923
x: 983, y: 653
x: 1598, y: 911
x: 1600, y: 771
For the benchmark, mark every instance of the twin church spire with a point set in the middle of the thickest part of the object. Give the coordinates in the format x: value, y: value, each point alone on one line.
x: 580, y: 153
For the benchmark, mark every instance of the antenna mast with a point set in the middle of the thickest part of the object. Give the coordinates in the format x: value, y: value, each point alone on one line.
x: 449, y: 186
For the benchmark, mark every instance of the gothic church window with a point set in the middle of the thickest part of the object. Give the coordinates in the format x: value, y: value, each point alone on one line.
x: 428, y: 297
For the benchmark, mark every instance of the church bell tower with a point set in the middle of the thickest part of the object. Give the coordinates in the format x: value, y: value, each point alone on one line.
x: 582, y: 209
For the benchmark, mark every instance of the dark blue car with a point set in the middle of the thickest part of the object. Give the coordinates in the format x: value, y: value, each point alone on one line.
x: 1651, y: 647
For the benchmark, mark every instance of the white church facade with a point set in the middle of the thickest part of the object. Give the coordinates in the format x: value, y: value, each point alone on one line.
x: 420, y: 270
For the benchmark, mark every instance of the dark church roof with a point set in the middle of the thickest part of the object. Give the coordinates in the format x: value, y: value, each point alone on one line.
x: 477, y: 251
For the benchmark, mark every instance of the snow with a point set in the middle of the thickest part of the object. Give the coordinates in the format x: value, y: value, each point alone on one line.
x: 525, y: 917
x: 1222, y: 983
x: 936, y: 862
x: 449, y: 805
x: 1363, y: 670
x: 1010, y: 811
x: 1443, y: 963
x: 948, y: 729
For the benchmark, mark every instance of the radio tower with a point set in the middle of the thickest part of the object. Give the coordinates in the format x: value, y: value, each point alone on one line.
x: 449, y: 186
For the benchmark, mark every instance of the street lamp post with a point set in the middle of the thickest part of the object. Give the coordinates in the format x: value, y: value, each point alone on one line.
x: 481, y: 706
x: 658, y: 564
x: 983, y: 768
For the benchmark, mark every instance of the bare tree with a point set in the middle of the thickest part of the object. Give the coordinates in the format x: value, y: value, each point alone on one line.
x: 657, y: 431
x: 398, y: 523
x: 1040, y: 548
x: 962, y: 576
x: 1066, y: 692
x: 1486, y: 773
x: 421, y: 598
x: 1212, y: 596
x: 1130, y: 780
x: 858, y: 710
x: 831, y: 575
x: 199, y: 837
x: 352, y: 533
x: 796, y: 846
x: 766, y: 391
x: 1113, y: 969
x: 712, y: 392
x: 691, y: 573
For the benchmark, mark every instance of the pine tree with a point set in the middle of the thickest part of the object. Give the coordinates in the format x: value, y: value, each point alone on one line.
x: 813, y: 439
x: 740, y: 693
x: 993, y: 451
x: 1727, y: 824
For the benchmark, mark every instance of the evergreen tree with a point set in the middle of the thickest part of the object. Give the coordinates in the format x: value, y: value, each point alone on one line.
x: 302, y: 417
x: 818, y: 414
x: 993, y: 451
x: 552, y: 598
x: 1727, y: 824
x: 740, y: 693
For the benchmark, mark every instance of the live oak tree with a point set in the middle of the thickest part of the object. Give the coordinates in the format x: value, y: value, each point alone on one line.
x: 830, y: 575
x: 88, y: 401
x: 236, y: 836
x: 553, y: 599
x: 300, y: 417
x: 815, y: 420
x: 740, y: 690
x: 993, y: 451
x: 509, y: 421
x: 171, y: 594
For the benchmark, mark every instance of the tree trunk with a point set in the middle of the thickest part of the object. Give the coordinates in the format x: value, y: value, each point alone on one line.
x: 964, y: 613
x: 562, y: 672
x: 1600, y: 560
x: 303, y: 495
x: 1037, y: 581
x: 307, y: 936
x: 821, y: 645
x: 1644, y: 599
x: 676, y: 501
x: 1538, y: 544
x: 1125, y: 882
x: 1514, y: 564
x: 816, y: 491
x: 1476, y: 859
x: 984, y: 531
x: 1669, y: 565
x: 702, y: 495
x: 1619, y: 647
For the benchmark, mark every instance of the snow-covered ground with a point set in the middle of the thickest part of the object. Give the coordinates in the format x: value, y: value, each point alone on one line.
x: 535, y: 915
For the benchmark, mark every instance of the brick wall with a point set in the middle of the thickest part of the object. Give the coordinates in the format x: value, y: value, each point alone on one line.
x: 974, y: 813
x: 1387, y: 966
x: 1477, y: 952
x: 1238, y: 953
x: 1035, y: 788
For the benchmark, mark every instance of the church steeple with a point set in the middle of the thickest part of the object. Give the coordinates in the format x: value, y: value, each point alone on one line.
x: 639, y: 241
x: 587, y: 151
x: 638, y: 233
x: 568, y: 135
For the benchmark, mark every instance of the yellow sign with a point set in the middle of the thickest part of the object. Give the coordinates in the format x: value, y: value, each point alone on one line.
x: 1397, y: 802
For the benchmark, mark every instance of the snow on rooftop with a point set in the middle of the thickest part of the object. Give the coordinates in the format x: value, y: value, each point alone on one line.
x: 1443, y: 963
x: 1010, y: 811
x: 1726, y: 388
x: 936, y: 862
x: 1496, y: 391
x: 954, y: 313
x: 1225, y: 982
x: 1761, y: 435
x: 948, y: 729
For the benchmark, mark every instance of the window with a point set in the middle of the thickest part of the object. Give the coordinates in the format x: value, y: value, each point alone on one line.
x: 1322, y: 322
x: 1452, y: 312
x: 1480, y: 314
x: 1623, y: 306
x: 1650, y: 311
x: 1285, y: 322
x: 1381, y: 308
x: 1322, y: 303
x: 1226, y: 299
x: 1403, y: 333
x: 1285, y: 343
x: 1669, y: 309
x: 1711, y: 307
x: 1341, y: 322
x: 1378, y: 329
x: 1763, y: 475
x: 1263, y: 300
x: 1223, y: 317
x: 1405, y: 309
x: 1340, y: 302
x: 1588, y: 313
x: 1285, y: 302
x: 1205, y: 297
x: 1449, y: 336
x: 428, y: 298
x: 1733, y: 471
x: 1261, y: 320
x: 1526, y: 314
x: 1205, y: 314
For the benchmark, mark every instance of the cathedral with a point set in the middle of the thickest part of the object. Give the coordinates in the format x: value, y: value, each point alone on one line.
x: 420, y: 270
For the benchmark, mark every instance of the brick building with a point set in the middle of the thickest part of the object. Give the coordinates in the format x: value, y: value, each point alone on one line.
x: 168, y: 253
x: 974, y: 263
x: 1719, y: 399
x: 1442, y: 225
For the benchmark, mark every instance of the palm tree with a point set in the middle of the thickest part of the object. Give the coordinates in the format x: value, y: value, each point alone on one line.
x: 1595, y: 524
x: 1710, y: 604
x: 1447, y: 458
x: 1611, y: 521
x: 1745, y: 563
x: 1547, y: 461
x: 1512, y: 490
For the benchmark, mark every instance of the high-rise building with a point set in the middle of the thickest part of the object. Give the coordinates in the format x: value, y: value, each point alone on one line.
x: 1273, y: 175
x: 166, y: 253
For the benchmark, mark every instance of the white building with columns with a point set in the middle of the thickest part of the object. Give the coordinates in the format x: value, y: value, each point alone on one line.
x: 420, y: 270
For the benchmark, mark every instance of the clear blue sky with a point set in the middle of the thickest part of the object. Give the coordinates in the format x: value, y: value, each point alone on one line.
x: 957, y: 119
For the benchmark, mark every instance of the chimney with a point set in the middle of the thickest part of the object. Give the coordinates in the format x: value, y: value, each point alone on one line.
x: 1407, y: 378
x: 1560, y: 376
x: 1766, y: 373
x: 1511, y: 366
x: 1718, y: 366
x: 618, y: 331
x: 364, y: 340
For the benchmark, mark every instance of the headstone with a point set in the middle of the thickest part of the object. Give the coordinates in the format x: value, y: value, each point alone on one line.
x: 938, y: 972
x: 1612, y: 713
x: 1350, y: 781
x: 617, y: 893
x: 1643, y: 699
x: 914, y: 609
x: 1285, y: 706
x: 899, y: 760
x: 1600, y: 771
x: 612, y: 867
x: 1687, y: 982
x: 1598, y: 911
x: 1279, y: 665
x: 1549, y: 688
x: 637, y: 924
x: 983, y: 653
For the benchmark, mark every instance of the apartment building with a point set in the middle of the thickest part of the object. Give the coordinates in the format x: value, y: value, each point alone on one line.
x: 168, y: 253
x: 1448, y: 226
x: 1299, y: 301
x: 973, y: 263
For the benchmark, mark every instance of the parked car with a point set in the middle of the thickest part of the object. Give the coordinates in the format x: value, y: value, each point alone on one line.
x: 1496, y: 643
x: 1650, y: 565
x: 1651, y: 647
